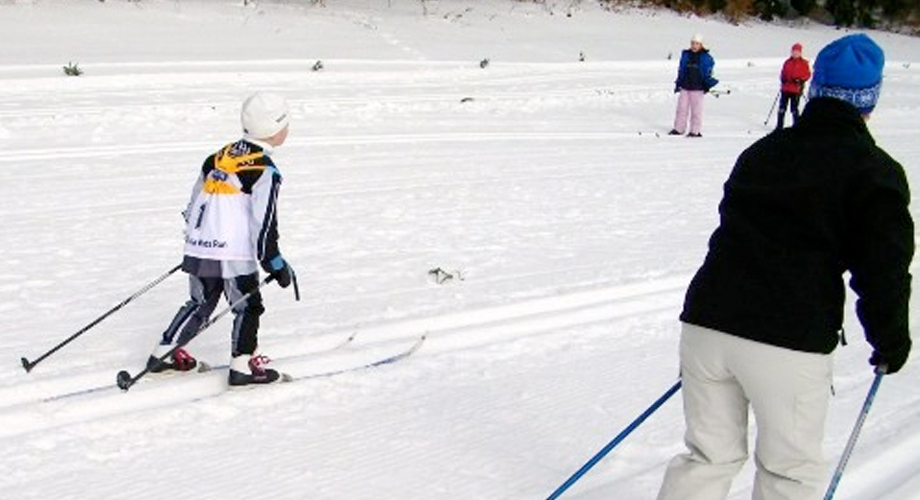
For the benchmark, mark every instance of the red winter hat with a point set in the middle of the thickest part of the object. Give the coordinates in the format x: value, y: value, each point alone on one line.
x: 797, y: 47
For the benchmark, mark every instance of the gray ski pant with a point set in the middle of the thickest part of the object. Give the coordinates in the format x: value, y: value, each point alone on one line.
x: 788, y: 391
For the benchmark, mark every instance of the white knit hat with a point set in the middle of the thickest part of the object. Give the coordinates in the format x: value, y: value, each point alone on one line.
x: 697, y: 38
x: 264, y: 115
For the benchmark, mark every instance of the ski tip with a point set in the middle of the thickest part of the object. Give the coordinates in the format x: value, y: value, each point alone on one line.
x: 287, y: 377
x: 26, y: 365
x: 123, y: 379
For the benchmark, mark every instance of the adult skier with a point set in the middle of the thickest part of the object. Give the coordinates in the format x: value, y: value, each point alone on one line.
x: 763, y: 314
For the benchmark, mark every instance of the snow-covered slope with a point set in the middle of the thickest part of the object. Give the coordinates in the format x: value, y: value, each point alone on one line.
x: 544, y: 184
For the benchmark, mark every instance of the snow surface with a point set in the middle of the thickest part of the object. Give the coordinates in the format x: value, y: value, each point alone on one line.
x: 570, y: 222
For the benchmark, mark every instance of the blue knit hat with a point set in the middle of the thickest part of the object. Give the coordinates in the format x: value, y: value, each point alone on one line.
x: 849, y: 69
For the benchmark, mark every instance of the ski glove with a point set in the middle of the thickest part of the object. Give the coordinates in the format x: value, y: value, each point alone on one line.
x: 279, y: 269
x: 893, y: 359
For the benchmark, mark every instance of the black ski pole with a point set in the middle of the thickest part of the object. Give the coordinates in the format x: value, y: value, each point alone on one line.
x: 851, y: 443
x: 125, y: 380
x: 772, y: 107
x: 28, y: 365
x: 612, y: 444
x: 296, y: 288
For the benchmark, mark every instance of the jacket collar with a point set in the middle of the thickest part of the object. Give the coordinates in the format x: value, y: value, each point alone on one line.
x: 267, y: 148
x: 830, y: 113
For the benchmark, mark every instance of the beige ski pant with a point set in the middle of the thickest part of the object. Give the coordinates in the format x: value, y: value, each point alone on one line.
x: 789, y: 393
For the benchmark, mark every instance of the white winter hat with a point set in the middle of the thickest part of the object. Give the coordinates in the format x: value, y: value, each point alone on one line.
x: 264, y: 115
x: 697, y: 38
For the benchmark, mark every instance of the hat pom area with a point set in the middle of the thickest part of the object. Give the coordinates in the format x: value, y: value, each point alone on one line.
x: 264, y: 115
x: 849, y: 69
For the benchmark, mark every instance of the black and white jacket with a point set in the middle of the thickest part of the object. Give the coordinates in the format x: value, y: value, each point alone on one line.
x: 231, y: 219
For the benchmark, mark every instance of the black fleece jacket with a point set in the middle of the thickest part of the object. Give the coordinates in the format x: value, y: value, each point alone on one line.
x: 801, y: 207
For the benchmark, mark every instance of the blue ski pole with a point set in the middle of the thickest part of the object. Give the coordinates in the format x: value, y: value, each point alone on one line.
x: 848, y: 450
x: 612, y: 444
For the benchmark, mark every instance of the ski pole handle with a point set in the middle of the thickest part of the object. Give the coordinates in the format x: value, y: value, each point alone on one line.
x: 296, y: 288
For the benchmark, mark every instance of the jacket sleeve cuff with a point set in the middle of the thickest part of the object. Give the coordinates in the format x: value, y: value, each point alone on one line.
x: 275, y: 264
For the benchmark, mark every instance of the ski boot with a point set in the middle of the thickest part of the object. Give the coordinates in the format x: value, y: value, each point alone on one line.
x: 249, y: 369
x: 180, y: 360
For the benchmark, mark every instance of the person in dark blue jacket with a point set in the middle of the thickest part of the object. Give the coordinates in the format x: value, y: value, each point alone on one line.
x: 694, y: 79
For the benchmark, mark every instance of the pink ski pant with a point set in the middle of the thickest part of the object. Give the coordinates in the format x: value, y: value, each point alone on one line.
x: 689, y: 103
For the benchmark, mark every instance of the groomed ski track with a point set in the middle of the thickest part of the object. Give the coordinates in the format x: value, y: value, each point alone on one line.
x: 561, y: 330
x: 30, y: 407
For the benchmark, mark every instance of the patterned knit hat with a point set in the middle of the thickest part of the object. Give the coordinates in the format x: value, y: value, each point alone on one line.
x: 849, y: 69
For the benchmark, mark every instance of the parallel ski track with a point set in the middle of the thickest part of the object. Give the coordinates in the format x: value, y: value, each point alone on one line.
x: 65, y: 387
x: 51, y: 403
x: 445, y: 98
x: 18, y: 156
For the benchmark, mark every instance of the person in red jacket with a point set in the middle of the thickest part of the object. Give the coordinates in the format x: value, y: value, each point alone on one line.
x: 795, y: 73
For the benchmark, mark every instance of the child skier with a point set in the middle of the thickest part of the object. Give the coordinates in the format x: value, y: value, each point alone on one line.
x: 793, y: 76
x: 694, y: 79
x: 231, y: 229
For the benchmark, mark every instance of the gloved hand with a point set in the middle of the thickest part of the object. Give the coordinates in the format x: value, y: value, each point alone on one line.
x: 893, y: 359
x: 279, y: 269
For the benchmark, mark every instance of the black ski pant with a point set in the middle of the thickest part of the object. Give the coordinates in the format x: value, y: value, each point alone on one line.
x: 788, y: 100
x: 204, y: 295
